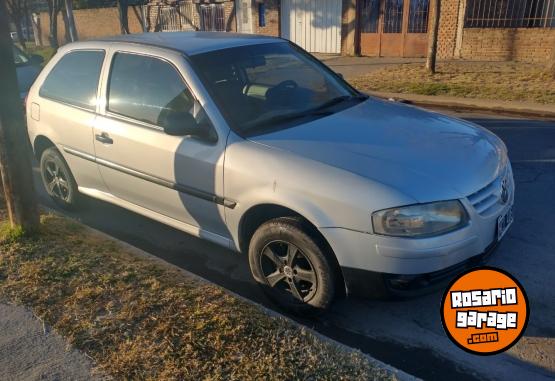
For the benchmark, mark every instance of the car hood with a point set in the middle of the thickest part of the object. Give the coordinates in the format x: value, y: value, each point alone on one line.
x: 26, y: 75
x: 425, y: 155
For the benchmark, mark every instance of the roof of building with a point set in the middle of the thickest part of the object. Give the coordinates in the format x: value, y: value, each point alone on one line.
x: 192, y: 43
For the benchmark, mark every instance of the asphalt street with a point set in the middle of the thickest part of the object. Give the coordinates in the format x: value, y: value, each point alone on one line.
x: 404, y: 333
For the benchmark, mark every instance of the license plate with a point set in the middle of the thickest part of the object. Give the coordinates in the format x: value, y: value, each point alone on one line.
x: 504, y: 222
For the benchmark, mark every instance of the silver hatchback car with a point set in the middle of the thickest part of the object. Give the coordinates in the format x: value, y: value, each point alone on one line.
x: 250, y: 142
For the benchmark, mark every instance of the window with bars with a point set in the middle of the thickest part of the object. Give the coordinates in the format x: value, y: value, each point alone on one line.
x: 393, y: 16
x: 418, y: 16
x: 510, y: 14
x: 212, y: 17
x: 370, y: 15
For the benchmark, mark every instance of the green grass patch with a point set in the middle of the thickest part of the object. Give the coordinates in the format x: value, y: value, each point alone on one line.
x: 509, y: 81
x: 46, y: 52
x: 141, y: 320
x: 9, y: 234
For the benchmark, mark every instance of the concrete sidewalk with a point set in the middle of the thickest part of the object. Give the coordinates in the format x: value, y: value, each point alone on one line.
x: 528, y: 109
x: 353, y: 67
x: 29, y: 350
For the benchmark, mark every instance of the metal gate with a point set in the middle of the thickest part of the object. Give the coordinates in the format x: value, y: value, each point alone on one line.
x: 171, y: 18
x: 394, y: 28
x: 315, y: 25
x: 212, y: 17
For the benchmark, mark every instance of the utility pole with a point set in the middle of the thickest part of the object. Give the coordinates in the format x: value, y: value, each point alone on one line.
x: 432, y: 43
x: 15, y: 160
x: 71, y: 21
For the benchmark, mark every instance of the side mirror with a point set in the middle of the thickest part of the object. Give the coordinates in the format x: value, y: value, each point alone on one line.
x: 180, y: 124
x: 340, y: 75
x: 35, y: 59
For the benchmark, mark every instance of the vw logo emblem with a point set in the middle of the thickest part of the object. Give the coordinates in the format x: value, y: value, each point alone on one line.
x: 504, y: 191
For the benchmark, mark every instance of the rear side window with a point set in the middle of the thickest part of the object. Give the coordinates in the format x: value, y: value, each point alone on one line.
x: 74, y: 79
x: 147, y: 89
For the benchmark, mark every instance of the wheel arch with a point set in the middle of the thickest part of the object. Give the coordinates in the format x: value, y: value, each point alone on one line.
x: 40, y: 144
x: 257, y: 215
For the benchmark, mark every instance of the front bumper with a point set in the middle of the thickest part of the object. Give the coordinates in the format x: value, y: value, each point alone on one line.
x: 406, y: 263
x: 366, y: 283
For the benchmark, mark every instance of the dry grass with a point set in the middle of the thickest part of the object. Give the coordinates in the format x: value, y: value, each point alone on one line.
x: 139, y: 320
x: 509, y: 81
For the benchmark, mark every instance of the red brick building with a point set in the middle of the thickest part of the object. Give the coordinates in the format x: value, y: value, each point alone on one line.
x: 522, y: 30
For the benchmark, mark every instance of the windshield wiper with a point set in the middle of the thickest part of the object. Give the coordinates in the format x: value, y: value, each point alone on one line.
x: 314, y: 112
x: 341, y: 99
x: 263, y: 124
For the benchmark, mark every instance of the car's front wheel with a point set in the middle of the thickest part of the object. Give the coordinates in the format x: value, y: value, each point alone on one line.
x: 57, y: 178
x: 292, y: 266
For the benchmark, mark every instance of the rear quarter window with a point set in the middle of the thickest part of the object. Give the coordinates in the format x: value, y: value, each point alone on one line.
x: 74, y: 79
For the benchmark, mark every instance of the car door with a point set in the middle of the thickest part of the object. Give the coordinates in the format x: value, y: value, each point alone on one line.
x: 179, y: 177
x: 66, y: 111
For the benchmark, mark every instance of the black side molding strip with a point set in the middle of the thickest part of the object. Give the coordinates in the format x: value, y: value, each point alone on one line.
x: 154, y: 179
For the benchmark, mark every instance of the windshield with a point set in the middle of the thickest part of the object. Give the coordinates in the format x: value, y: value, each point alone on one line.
x: 268, y: 86
x: 19, y: 57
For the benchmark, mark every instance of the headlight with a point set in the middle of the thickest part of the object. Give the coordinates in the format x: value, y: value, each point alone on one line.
x: 420, y: 220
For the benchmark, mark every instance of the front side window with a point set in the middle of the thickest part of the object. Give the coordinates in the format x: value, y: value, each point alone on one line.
x: 266, y: 85
x: 74, y: 79
x: 147, y: 89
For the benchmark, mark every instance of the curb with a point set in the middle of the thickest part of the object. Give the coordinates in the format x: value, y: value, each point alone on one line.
x: 469, y: 104
x: 397, y: 373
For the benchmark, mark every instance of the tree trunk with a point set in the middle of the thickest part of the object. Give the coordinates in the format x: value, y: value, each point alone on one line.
x: 72, y: 30
x: 19, y: 29
x: 432, y: 43
x: 53, y: 10
x: 15, y: 158
x: 35, y: 21
x: 123, y: 18
x: 551, y: 65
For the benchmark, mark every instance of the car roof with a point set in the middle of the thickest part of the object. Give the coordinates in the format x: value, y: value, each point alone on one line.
x: 192, y: 43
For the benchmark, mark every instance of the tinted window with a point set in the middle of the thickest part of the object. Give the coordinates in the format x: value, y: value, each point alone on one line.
x: 263, y: 85
x: 74, y: 79
x: 147, y: 89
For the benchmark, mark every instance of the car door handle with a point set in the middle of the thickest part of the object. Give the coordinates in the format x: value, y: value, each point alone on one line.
x: 104, y: 138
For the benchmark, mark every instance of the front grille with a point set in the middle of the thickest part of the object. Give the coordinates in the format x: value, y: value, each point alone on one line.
x: 487, y: 200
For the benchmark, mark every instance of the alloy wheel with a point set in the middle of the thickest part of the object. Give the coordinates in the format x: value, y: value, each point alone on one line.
x: 56, y: 180
x: 288, y: 269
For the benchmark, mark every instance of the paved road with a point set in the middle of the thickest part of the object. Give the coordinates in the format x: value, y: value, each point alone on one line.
x: 407, y: 334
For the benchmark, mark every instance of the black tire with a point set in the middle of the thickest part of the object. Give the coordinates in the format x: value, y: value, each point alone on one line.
x: 292, y: 267
x: 57, y: 179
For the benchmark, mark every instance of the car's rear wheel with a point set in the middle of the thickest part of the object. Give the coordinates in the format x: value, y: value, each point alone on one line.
x: 57, y: 178
x: 292, y: 266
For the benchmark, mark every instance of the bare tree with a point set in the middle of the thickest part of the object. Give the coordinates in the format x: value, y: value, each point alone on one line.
x: 432, y: 43
x: 54, y: 7
x: 15, y: 161
x: 16, y: 11
x: 69, y: 20
x: 123, y: 6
